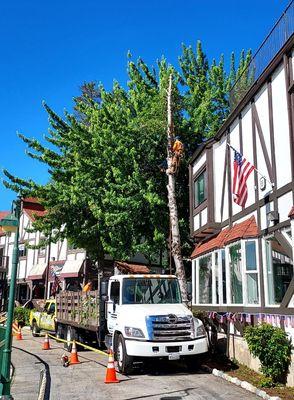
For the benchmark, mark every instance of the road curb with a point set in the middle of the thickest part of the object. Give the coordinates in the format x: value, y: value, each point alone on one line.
x: 243, y: 384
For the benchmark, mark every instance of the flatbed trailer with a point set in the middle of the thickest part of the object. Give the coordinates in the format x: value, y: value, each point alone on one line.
x: 80, y: 316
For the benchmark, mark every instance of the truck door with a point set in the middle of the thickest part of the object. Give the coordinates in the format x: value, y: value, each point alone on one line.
x: 113, y: 304
x: 48, y: 317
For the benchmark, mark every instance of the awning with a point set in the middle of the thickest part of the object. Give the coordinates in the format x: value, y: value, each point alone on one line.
x: 243, y: 230
x: 37, y: 271
x: 71, y: 268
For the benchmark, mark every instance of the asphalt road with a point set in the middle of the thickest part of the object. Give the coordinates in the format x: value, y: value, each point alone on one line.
x: 162, y: 381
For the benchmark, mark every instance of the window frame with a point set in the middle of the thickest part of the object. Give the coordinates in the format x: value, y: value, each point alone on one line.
x: 248, y: 272
x: 198, y: 275
x: 111, y: 297
x: 202, y: 170
x: 265, y: 267
x: 196, y: 280
x: 217, y: 269
x: 228, y: 274
x: 244, y: 273
x: 25, y: 250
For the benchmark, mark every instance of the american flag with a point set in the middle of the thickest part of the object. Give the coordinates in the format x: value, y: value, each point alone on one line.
x: 242, y: 170
x: 56, y: 283
x: 56, y: 286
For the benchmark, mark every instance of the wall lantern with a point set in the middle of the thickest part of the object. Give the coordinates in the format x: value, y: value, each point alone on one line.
x: 272, y: 216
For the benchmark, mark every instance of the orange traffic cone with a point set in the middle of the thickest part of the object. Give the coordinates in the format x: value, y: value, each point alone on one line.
x: 46, y: 344
x: 74, y: 355
x: 110, y: 372
x: 19, y: 335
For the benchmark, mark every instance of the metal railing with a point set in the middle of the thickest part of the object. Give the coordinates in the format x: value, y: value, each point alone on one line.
x: 275, y: 40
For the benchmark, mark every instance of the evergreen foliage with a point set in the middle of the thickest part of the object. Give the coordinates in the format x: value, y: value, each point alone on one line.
x: 273, y: 348
x: 106, y: 192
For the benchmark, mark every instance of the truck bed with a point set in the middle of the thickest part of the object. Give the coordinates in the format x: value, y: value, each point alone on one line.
x: 80, y: 309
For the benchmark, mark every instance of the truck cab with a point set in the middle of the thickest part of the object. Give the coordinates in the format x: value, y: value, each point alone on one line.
x: 45, y: 319
x: 147, y: 318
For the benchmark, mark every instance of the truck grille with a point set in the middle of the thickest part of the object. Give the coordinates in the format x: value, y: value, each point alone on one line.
x: 171, y: 328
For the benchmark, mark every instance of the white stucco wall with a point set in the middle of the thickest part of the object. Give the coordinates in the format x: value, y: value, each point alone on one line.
x: 248, y: 151
x: 281, y: 129
x: 204, y: 216
x: 196, y: 222
x: 199, y: 162
x: 219, y: 152
x: 261, y: 103
x: 285, y: 204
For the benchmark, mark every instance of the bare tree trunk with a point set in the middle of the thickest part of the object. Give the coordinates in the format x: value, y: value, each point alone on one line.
x: 172, y: 203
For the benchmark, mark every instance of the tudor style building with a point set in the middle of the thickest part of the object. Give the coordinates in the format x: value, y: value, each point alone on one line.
x: 242, y: 263
x: 38, y: 267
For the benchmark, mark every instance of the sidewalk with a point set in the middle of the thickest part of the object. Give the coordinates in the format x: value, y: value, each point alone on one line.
x: 27, y: 368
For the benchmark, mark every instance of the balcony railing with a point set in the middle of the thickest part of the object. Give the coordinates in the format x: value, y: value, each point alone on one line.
x: 275, y: 40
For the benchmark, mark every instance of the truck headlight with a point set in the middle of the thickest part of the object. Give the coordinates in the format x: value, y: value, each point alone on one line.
x: 134, y: 332
x: 200, y: 331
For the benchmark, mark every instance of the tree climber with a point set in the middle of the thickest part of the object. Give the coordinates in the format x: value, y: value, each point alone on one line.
x: 177, y: 154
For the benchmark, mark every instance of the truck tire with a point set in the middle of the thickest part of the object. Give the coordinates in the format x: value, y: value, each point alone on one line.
x: 60, y: 332
x: 124, y: 362
x: 35, y: 329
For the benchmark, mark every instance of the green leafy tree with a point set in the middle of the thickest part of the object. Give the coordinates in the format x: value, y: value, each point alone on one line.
x: 105, y: 191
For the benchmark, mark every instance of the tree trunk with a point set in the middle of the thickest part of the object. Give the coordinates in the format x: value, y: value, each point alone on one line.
x: 172, y: 203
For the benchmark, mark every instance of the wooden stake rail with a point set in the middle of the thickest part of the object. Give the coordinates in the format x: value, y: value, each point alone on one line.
x: 78, y: 308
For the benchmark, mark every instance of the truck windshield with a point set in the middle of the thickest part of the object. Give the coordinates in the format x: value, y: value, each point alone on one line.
x: 150, y: 291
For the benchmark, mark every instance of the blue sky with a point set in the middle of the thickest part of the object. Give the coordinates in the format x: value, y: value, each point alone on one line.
x: 48, y: 49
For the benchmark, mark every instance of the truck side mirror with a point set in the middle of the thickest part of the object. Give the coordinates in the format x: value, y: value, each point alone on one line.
x: 189, y: 288
x: 104, y: 288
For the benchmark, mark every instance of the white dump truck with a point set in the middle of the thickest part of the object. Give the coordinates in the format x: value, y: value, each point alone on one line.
x: 140, y: 316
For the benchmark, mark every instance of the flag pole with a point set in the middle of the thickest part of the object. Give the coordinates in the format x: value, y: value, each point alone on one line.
x: 262, y: 175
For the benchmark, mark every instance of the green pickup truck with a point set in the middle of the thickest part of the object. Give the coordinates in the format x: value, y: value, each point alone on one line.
x: 45, y: 319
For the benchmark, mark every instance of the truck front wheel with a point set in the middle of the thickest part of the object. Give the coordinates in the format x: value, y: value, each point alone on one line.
x: 124, y: 362
x: 35, y: 329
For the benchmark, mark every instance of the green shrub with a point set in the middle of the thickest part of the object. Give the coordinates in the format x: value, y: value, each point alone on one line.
x: 273, y: 348
x: 22, y: 315
x: 266, y: 382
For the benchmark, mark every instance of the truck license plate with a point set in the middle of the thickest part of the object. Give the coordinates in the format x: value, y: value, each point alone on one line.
x: 174, y: 356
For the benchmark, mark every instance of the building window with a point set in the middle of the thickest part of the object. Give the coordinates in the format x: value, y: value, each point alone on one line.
x: 216, y: 277
x: 235, y: 268
x: 22, y: 250
x: 42, y: 250
x: 251, y: 273
x: 200, y: 189
x: 279, y: 270
x: 205, y: 280
x: 229, y: 276
x: 223, y: 276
